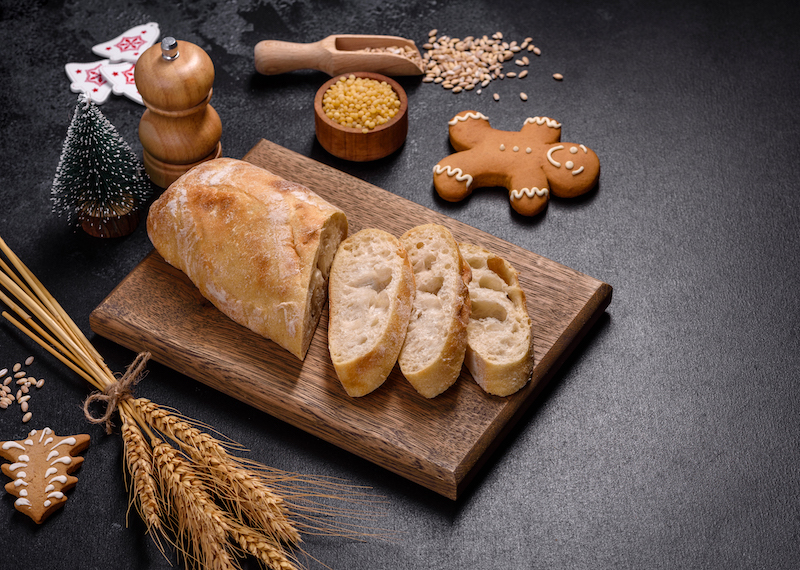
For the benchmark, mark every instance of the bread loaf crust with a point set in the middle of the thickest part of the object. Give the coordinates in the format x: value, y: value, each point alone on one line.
x: 500, y: 337
x: 436, y: 340
x: 371, y: 292
x: 257, y: 246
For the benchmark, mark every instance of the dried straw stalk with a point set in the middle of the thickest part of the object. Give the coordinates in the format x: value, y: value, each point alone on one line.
x: 215, y: 508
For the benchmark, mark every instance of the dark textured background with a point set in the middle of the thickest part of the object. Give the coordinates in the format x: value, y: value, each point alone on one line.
x: 668, y: 440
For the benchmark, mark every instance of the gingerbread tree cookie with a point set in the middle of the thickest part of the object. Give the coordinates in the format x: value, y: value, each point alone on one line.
x: 40, y: 466
x: 530, y: 163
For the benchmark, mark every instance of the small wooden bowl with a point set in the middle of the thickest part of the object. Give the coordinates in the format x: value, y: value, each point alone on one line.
x: 352, y: 144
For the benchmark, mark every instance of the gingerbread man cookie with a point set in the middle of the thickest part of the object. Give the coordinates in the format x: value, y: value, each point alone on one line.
x: 530, y: 163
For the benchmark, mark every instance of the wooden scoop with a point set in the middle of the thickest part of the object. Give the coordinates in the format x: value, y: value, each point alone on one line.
x: 337, y: 54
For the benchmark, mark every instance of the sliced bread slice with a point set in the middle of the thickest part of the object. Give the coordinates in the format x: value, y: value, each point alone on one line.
x: 499, y: 335
x: 436, y: 340
x: 371, y: 290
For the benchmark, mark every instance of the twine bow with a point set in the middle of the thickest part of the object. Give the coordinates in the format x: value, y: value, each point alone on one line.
x: 116, y: 392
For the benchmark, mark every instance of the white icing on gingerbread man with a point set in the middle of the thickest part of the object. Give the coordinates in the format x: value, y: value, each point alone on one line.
x: 530, y: 163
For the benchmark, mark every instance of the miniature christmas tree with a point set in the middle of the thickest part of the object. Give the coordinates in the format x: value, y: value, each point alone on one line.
x: 98, y: 178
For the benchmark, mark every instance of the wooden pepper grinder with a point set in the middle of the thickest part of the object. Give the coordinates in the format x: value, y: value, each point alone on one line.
x: 179, y: 129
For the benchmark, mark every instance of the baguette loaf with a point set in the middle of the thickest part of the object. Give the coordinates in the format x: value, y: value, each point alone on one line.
x: 371, y: 292
x: 257, y: 246
x: 436, y: 340
x: 499, y: 337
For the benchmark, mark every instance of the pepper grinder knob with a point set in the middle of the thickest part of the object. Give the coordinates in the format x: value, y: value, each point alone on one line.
x: 179, y: 129
x: 169, y: 48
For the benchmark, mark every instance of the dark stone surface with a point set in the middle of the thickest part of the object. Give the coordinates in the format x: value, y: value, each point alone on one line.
x: 669, y: 439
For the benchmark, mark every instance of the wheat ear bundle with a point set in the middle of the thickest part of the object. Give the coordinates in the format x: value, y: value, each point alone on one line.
x: 187, y: 486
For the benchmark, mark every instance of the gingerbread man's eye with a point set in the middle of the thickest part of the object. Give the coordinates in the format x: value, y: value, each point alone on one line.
x: 573, y: 150
x: 569, y: 164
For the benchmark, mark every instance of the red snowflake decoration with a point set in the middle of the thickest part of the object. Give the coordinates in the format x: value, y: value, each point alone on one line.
x: 130, y: 43
x: 93, y: 75
x: 129, y: 77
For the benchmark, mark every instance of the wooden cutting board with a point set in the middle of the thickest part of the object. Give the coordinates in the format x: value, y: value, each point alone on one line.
x: 438, y: 443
